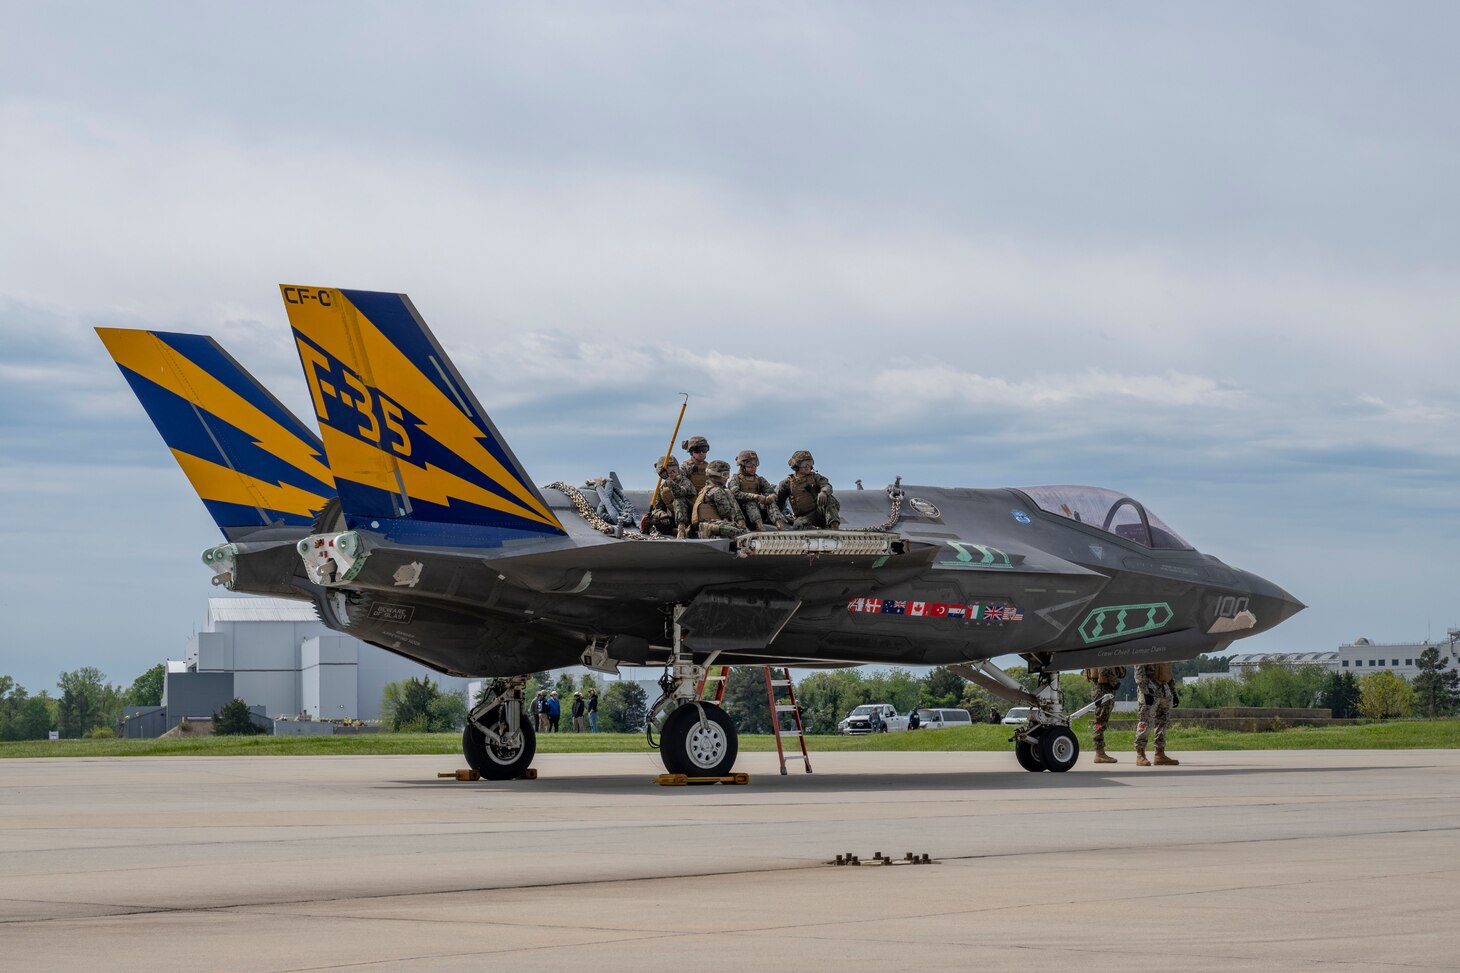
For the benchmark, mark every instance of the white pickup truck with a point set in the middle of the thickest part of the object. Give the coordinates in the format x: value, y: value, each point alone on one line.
x: 872, y: 718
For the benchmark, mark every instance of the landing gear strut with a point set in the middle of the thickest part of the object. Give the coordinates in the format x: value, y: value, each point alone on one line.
x: 697, y: 738
x: 499, y: 741
x: 1046, y: 741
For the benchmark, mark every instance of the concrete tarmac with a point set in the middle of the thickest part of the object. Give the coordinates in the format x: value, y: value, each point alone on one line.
x: 1275, y: 860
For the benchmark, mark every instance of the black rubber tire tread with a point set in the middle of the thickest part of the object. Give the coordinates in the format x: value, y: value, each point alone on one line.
x: 491, y: 767
x: 1027, y: 753
x: 1054, y: 739
x: 674, y: 741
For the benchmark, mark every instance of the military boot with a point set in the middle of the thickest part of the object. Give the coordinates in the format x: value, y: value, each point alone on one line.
x: 1101, y: 757
x: 1141, y: 760
x: 1164, y: 761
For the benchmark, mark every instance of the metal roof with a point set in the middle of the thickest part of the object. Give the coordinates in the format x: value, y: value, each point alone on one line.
x: 260, y: 610
x: 1303, y: 657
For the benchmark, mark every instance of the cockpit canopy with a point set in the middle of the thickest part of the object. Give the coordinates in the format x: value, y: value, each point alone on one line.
x: 1108, y: 511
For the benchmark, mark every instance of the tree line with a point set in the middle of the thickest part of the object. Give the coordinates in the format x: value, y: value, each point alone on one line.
x: 88, y: 705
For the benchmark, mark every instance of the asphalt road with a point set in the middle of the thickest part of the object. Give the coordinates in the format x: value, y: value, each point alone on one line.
x: 1274, y: 860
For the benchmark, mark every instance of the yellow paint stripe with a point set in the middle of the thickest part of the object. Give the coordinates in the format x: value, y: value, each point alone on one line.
x: 347, y: 335
x: 359, y: 462
x: 219, y: 483
x: 153, y: 359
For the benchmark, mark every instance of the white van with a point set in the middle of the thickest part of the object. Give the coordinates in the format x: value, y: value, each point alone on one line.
x: 933, y: 719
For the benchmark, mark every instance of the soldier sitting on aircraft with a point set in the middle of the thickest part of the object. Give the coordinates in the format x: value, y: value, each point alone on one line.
x: 698, y: 448
x: 670, y: 512
x: 812, y: 502
x: 716, y: 513
x: 754, y: 493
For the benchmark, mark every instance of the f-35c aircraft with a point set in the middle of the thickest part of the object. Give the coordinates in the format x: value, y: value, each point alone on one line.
x: 412, y: 526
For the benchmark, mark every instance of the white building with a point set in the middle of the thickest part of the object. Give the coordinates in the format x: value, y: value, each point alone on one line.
x: 1361, y: 657
x: 283, y: 658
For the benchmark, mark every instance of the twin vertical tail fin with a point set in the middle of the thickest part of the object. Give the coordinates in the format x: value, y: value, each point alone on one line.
x: 414, y: 455
x: 251, y: 461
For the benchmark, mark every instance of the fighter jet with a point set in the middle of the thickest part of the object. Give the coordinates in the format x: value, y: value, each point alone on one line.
x: 411, y: 525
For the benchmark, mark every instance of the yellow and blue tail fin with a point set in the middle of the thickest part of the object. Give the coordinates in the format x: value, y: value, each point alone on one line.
x: 415, y: 457
x: 251, y: 461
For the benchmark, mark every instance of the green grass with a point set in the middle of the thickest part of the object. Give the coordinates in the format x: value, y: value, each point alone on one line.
x: 1390, y: 735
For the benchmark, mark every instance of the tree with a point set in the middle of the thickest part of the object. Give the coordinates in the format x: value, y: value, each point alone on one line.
x: 1383, y: 695
x: 621, y: 708
x: 1341, y: 695
x: 565, y: 686
x: 1212, y: 694
x: 1202, y: 663
x: 446, y: 712
x: 745, y: 699
x: 536, y: 681
x: 147, y: 688
x: 587, y: 682
x: 86, y: 702
x: 1075, y: 691
x: 941, y: 688
x: 419, y: 706
x: 12, y: 703
x: 1437, y: 686
x: 234, y: 720
x: 36, y: 720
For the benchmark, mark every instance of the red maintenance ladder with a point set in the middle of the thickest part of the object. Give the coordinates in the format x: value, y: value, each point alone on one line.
x: 720, y: 676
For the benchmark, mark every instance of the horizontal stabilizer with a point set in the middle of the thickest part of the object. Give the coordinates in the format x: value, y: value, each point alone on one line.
x: 251, y: 461
x: 415, y: 457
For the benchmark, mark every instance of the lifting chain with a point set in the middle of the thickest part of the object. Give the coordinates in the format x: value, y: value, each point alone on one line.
x: 580, y: 502
x: 895, y: 493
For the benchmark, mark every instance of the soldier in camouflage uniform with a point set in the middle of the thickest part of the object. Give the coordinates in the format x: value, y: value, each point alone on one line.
x: 716, y: 513
x: 1106, y: 680
x: 694, y: 468
x: 809, y: 494
x: 1156, y: 690
x: 754, y: 493
x: 671, y: 511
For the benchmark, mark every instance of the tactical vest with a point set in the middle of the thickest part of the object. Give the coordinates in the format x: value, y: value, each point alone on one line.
x: 704, y: 510
x: 697, y: 473
x: 803, y: 493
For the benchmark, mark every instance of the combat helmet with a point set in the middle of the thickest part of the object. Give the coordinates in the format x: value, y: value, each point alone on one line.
x: 665, y: 463
x: 695, y: 442
x: 718, y: 470
x: 747, y: 456
x: 801, y: 456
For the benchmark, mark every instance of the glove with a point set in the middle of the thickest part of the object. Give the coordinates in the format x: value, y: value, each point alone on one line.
x: 1150, y: 699
x: 821, y: 501
x: 1175, y: 698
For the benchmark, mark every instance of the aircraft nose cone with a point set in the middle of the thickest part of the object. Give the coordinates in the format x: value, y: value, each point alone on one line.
x: 1271, y: 604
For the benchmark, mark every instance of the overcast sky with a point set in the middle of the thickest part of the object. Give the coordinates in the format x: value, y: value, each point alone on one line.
x: 1202, y: 254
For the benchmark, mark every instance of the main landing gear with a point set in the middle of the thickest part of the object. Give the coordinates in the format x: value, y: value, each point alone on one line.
x: 697, y: 738
x: 499, y: 741
x: 1045, y: 741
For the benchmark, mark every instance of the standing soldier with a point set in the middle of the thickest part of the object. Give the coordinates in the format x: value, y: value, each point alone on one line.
x: 580, y: 709
x: 698, y: 448
x: 1156, y: 690
x: 809, y: 493
x: 716, y: 513
x: 1106, y: 680
x: 670, y: 513
x: 754, y: 493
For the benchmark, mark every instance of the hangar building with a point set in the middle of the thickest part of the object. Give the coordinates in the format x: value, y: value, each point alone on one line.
x: 276, y: 654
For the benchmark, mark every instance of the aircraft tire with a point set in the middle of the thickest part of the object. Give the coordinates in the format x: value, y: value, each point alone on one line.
x: 1058, y: 749
x: 1027, y: 753
x: 494, y: 763
x: 695, y: 751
